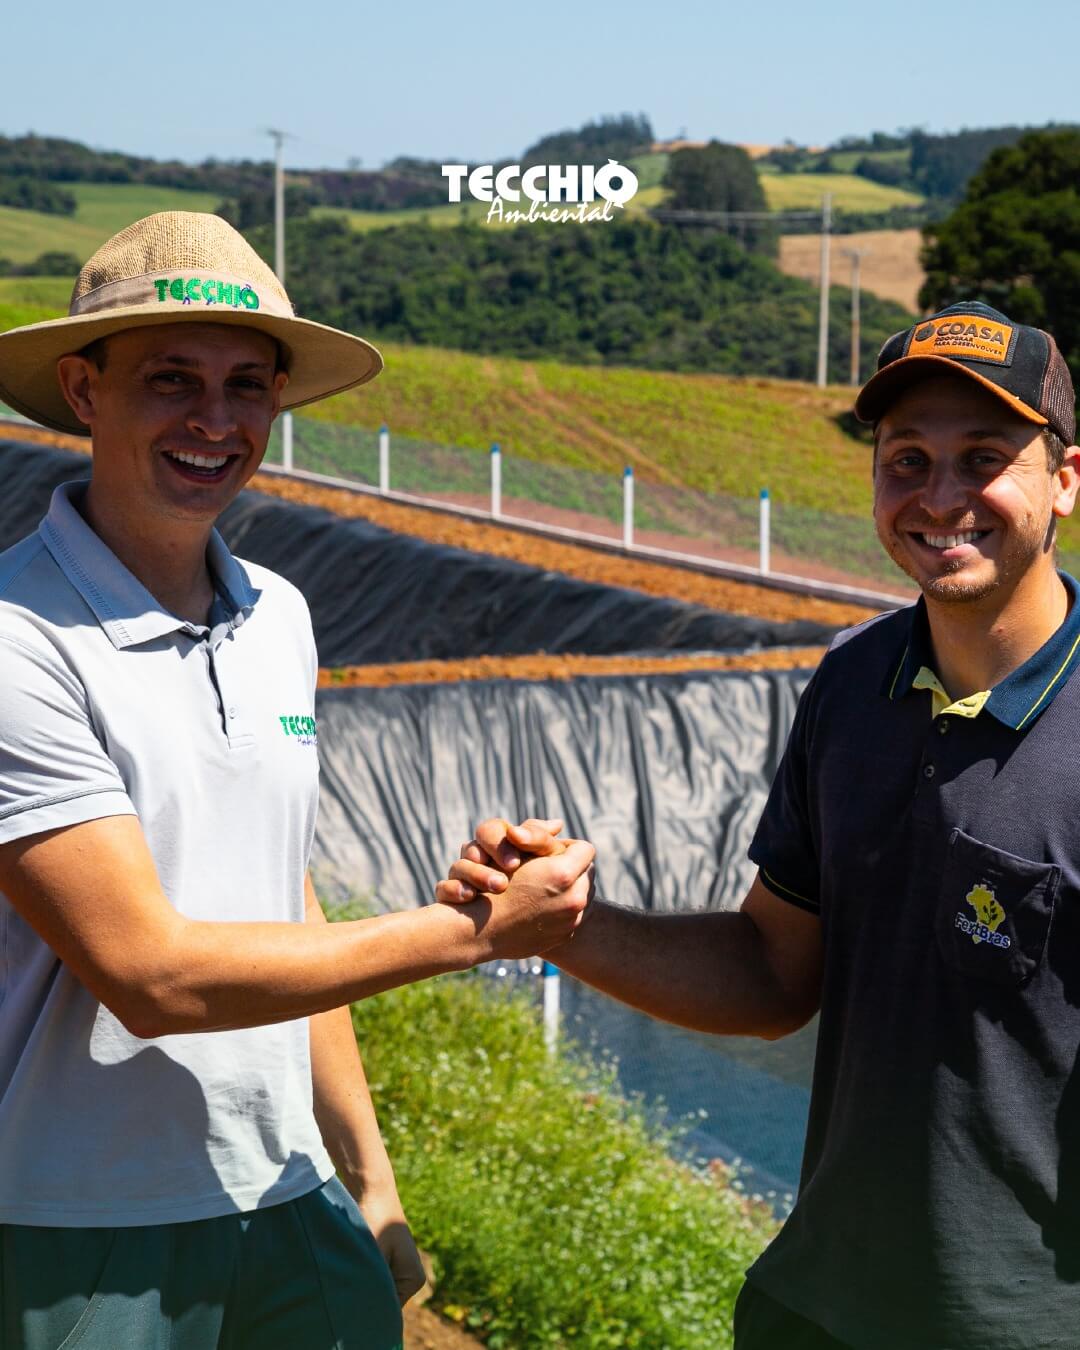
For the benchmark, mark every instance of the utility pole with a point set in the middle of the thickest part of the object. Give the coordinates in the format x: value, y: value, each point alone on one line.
x: 278, y: 138
x: 856, y: 255
x: 823, y: 307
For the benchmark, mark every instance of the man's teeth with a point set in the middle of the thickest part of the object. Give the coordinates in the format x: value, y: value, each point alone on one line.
x: 953, y: 540
x: 200, y: 461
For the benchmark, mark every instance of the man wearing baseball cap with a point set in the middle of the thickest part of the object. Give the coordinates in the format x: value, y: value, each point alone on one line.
x: 179, y: 1080
x: 918, y: 884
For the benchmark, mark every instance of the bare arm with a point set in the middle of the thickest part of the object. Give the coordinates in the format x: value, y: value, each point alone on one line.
x: 92, y: 893
x: 346, y: 1118
x: 753, y: 972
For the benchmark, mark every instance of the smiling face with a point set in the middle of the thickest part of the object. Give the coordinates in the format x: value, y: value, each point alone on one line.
x: 964, y: 500
x: 180, y: 415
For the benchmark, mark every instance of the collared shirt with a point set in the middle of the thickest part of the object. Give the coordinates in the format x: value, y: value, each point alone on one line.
x: 940, y: 1200
x: 112, y: 705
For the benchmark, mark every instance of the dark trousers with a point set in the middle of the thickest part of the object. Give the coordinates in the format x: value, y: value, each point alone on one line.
x: 763, y: 1324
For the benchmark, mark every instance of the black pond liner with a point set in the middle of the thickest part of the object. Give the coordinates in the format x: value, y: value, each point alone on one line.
x: 666, y: 774
x: 380, y: 597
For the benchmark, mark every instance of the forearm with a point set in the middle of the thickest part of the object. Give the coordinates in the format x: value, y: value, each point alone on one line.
x: 708, y: 971
x: 342, y: 1102
x: 219, y: 976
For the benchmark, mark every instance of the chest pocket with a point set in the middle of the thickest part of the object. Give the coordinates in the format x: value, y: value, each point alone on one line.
x: 994, y: 911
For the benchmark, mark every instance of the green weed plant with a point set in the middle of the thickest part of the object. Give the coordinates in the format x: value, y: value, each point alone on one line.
x: 555, y: 1210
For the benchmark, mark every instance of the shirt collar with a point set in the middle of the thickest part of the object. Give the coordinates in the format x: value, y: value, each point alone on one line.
x: 123, y: 606
x: 1021, y: 697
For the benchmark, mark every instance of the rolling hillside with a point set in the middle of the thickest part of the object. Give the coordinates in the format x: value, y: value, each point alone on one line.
x: 104, y: 208
x: 711, y: 432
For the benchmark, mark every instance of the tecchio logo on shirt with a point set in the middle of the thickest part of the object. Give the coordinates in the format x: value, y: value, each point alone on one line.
x: 988, y: 918
x: 543, y: 186
x: 302, y: 728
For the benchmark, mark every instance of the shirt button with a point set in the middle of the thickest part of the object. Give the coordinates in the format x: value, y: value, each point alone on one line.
x: 928, y: 771
x: 943, y: 726
x: 232, y: 712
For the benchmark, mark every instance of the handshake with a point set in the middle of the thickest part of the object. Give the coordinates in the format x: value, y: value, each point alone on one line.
x: 525, y: 891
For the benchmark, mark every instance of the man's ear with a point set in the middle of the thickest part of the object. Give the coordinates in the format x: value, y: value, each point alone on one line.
x: 1067, y: 482
x: 78, y: 377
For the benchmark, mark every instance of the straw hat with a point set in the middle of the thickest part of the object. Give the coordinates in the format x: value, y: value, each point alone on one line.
x: 173, y: 267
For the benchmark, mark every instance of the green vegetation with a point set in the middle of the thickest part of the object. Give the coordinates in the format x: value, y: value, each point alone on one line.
x: 720, y: 177
x: 803, y: 191
x: 101, y: 210
x: 1014, y: 240
x: 555, y: 1213
x: 594, y: 143
x: 629, y: 292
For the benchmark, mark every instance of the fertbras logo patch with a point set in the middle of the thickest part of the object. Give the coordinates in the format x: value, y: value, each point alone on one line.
x: 988, y: 918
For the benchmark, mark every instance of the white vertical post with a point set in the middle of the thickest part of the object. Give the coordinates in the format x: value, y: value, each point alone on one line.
x: 763, y: 533
x: 823, y: 299
x: 286, y: 440
x: 628, y: 508
x: 384, y: 458
x: 551, y: 1006
x: 496, y: 481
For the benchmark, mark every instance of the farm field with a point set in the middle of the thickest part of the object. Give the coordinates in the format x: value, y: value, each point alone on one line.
x: 104, y: 208
x: 891, y: 269
x: 803, y: 191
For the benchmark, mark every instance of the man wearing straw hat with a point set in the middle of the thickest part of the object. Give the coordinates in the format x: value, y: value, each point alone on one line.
x: 178, y: 1074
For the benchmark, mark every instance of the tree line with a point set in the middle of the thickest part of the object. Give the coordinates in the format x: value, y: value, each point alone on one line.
x: 629, y: 292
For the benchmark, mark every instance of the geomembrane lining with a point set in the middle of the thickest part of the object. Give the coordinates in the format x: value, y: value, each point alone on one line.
x: 376, y: 596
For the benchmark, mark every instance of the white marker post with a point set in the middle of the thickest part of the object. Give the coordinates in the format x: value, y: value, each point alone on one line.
x: 763, y: 533
x: 384, y: 459
x: 551, y: 1007
x: 286, y: 440
x: 496, y: 482
x: 628, y: 508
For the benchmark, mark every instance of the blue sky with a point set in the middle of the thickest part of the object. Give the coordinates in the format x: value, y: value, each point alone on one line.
x: 483, y: 78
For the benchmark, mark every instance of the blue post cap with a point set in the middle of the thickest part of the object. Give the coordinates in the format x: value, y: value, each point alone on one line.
x: 549, y: 969
x: 495, y: 447
x: 764, y: 494
x: 628, y: 472
x: 384, y: 427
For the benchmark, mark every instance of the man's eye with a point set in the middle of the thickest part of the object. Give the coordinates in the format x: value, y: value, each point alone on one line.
x: 169, y: 377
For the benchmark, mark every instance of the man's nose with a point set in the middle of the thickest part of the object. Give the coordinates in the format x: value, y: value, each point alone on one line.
x: 943, y: 492
x: 212, y: 417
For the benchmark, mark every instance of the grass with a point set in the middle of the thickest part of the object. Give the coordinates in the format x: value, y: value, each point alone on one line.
x: 103, y: 209
x: 567, y: 432
x: 555, y: 1211
x: 803, y: 191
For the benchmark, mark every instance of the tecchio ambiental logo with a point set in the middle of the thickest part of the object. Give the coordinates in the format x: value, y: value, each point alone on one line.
x: 545, y: 185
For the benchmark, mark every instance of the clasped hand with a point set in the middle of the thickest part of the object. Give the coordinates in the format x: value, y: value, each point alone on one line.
x: 526, y: 890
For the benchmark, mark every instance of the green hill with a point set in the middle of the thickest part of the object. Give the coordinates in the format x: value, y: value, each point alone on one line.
x: 715, y: 433
x: 803, y: 191
x: 103, y: 209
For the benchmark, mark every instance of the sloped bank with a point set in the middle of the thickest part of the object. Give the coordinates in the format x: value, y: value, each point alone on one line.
x: 376, y: 596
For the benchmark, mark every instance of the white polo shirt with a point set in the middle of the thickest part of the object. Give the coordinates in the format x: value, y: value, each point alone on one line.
x: 110, y: 705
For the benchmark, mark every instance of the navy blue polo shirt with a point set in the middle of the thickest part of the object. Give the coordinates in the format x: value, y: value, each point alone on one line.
x: 939, y: 1207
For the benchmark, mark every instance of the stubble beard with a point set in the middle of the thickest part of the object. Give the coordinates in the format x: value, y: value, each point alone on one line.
x: 950, y: 587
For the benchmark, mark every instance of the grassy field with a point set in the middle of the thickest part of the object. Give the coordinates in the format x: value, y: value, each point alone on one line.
x: 803, y: 191
x: 104, y: 208
x: 890, y: 267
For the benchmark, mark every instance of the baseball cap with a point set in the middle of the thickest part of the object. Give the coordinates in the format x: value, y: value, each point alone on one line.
x: 1020, y: 365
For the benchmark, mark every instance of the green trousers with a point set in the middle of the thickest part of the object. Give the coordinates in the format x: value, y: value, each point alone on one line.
x: 304, y: 1275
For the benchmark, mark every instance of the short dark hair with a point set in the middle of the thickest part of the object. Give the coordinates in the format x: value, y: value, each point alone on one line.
x: 95, y: 351
x: 1055, y: 449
